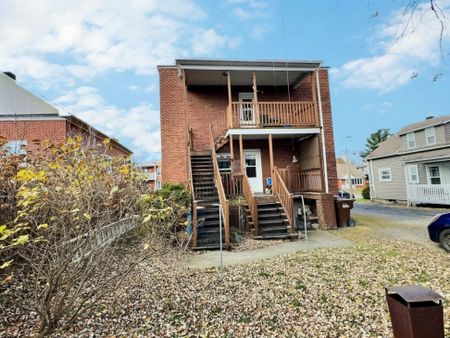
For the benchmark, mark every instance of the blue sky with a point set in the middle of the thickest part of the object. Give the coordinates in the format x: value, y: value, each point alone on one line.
x: 98, y: 59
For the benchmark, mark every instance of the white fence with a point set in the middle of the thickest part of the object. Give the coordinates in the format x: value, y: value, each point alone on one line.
x: 429, y: 194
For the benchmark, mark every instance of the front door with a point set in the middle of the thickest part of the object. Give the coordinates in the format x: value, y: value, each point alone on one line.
x: 247, y: 113
x: 253, y: 169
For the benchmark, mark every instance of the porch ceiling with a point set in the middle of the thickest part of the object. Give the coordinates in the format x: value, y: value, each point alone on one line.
x: 277, y: 133
x: 196, y: 77
x: 268, y: 73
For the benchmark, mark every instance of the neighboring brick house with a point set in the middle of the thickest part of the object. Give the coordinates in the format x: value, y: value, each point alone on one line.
x: 413, y: 165
x: 357, y: 176
x: 152, y: 170
x: 258, y: 129
x: 28, y: 122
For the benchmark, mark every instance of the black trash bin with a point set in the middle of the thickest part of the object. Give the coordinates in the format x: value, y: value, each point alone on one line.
x: 416, y: 312
x: 343, y: 207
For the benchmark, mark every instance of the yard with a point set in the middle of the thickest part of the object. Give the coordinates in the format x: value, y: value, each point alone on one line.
x: 322, y: 293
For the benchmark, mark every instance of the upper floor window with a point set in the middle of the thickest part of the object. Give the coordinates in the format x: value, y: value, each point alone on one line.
x: 385, y: 174
x: 411, y: 140
x: 430, y: 135
x: 16, y: 147
x: 434, y: 174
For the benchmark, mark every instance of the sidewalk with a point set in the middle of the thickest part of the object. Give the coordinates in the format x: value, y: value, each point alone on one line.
x: 316, y: 239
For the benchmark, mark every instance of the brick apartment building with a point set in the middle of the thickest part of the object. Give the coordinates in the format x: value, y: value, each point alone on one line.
x: 28, y: 122
x: 258, y: 130
x: 152, y: 170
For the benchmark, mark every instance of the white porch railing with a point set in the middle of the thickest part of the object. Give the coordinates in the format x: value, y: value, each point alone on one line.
x: 429, y: 193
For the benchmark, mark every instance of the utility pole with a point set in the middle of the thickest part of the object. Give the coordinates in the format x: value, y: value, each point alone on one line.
x: 349, y: 174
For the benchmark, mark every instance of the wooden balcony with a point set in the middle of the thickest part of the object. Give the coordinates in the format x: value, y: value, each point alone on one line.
x: 298, y: 114
x: 310, y: 180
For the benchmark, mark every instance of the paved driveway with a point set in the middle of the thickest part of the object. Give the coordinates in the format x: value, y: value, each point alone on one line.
x: 396, y: 222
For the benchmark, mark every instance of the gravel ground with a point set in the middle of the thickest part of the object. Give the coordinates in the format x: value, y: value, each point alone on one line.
x: 336, y: 292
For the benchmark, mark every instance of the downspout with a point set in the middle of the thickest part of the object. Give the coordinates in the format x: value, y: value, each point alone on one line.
x: 371, y: 181
x: 324, y: 153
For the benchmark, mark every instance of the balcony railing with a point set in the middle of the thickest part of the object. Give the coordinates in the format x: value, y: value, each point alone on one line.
x: 299, y: 114
x: 302, y: 181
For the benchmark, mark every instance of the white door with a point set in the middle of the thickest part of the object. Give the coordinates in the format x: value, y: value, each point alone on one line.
x: 252, y: 159
x: 247, y: 114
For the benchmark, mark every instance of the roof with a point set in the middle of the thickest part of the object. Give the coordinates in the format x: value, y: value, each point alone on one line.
x: 433, y: 155
x: 391, y: 147
x: 342, y: 172
x: 249, y: 64
x: 429, y: 122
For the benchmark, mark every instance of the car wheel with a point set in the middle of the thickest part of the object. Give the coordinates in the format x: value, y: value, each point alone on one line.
x: 444, y: 239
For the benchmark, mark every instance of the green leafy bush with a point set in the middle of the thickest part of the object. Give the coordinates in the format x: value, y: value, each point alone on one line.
x: 366, y: 192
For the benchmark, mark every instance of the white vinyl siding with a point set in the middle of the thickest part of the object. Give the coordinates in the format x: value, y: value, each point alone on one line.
x: 388, y: 190
x: 411, y: 140
x: 430, y: 135
x: 385, y: 174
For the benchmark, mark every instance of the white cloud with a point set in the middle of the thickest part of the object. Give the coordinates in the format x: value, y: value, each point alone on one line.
x: 86, y: 38
x: 407, y: 44
x: 138, y: 126
x: 209, y: 42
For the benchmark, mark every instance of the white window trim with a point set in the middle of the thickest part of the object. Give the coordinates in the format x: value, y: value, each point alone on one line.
x: 430, y: 132
x: 408, y: 171
x: 428, y: 173
x: 385, y: 179
x: 413, y: 139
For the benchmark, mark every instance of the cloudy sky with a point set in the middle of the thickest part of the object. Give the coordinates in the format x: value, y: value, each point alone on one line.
x: 97, y: 59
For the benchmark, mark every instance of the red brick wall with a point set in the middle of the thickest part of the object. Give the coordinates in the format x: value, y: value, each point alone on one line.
x: 328, y: 130
x: 173, y: 127
x: 35, y: 132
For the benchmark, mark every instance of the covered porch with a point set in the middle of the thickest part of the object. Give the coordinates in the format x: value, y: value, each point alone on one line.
x: 428, y: 180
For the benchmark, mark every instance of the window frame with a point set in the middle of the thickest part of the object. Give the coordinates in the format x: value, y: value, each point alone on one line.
x: 408, y: 171
x: 380, y: 170
x: 427, y: 135
x: 411, y: 135
x: 430, y: 178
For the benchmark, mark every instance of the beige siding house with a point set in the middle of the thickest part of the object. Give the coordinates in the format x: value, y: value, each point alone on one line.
x: 413, y: 166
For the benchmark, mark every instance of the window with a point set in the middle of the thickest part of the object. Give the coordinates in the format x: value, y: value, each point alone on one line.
x: 224, y: 161
x: 411, y: 140
x: 413, y: 174
x: 357, y: 181
x: 434, y: 174
x: 16, y: 147
x: 385, y: 174
x: 430, y: 135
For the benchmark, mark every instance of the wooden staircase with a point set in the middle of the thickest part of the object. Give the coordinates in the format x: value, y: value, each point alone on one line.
x: 272, y: 222
x: 207, y: 198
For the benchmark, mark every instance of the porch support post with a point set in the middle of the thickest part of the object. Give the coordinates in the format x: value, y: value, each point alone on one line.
x: 231, y: 148
x: 241, y: 153
x: 314, y: 98
x: 229, y: 109
x: 255, y: 99
x: 271, y: 155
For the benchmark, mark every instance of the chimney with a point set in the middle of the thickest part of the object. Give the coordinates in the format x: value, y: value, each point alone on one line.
x: 429, y: 117
x: 11, y: 75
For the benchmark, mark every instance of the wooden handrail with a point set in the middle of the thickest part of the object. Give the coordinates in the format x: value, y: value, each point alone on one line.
x: 232, y: 184
x: 219, y: 185
x: 285, y: 197
x: 251, y: 201
x: 273, y: 114
x: 191, y: 186
x: 307, y: 180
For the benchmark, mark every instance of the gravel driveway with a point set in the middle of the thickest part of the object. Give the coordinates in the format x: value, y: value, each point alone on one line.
x: 396, y: 222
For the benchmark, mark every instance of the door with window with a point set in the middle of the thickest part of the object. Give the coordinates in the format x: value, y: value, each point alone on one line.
x: 253, y: 169
x: 246, y: 111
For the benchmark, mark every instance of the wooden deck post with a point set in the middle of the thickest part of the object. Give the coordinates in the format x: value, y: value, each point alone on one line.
x: 271, y: 155
x: 314, y: 96
x: 229, y: 109
x: 255, y: 100
x: 241, y: 153
x: 231, y: 149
